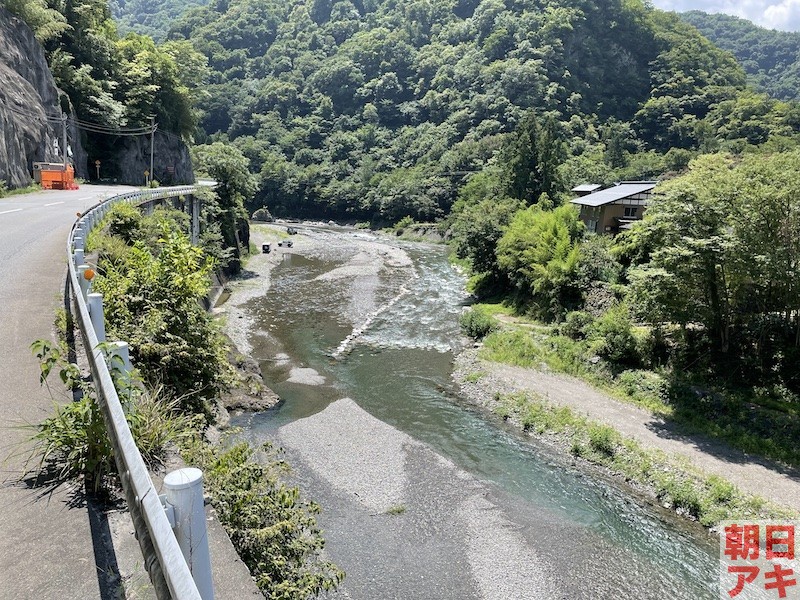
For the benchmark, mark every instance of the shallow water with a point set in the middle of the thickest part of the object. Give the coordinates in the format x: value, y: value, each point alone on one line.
x: 398, y: 369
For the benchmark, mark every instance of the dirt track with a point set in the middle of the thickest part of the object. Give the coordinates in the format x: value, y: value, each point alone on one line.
x: 751, y: 474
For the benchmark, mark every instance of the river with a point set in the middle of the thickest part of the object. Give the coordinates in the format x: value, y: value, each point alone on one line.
x: 424, y: 496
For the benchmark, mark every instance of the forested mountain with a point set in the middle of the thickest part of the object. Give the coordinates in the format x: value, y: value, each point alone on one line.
x: 771, y: 58
x: 148, y: 17
x: 376, y: 107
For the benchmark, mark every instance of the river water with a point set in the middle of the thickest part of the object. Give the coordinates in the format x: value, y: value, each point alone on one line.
x: 358, y: 342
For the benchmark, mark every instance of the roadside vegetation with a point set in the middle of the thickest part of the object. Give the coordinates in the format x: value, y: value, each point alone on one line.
x: 153, y: 283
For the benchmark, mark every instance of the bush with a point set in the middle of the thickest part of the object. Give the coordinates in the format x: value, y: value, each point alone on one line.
x: 124, y: 221
x: 645, y: 386
x: 263, y: 215
x: 272, y: 528
x: 74, y: 441
x: 614, y: 336
x: 577, y: 325
x: 152, y: 300
x: 603, y: 439
x: 477, y: 323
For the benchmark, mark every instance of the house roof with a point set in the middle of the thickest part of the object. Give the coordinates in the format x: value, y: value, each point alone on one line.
x: 617, y: 192
x: 586, y: 187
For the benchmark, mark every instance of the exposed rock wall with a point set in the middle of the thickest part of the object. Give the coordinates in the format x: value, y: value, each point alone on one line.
x: 130, y: 158
x: 28, y: 96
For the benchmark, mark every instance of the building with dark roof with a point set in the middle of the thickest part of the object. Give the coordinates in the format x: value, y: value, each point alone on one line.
x: 614, y: 209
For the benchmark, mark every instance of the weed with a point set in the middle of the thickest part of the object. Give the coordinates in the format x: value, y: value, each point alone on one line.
x: 272, y: 528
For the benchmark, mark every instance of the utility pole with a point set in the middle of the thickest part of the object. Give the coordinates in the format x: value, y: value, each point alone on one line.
x: 152, y: 139
x: 64, y: 140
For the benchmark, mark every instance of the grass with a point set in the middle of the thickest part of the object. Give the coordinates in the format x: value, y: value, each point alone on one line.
x: 751, y: 420
x: 676, y: 485
x: 475, y: 377
x: 30, y: 189
x: 396, y: 509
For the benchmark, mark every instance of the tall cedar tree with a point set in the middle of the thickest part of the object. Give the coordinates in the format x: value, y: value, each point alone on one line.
x: 532, y: 158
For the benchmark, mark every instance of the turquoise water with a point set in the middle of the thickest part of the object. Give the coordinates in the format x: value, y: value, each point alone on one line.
x: 399, y: 371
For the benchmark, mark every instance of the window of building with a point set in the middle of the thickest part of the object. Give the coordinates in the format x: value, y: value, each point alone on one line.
x: 630, y: 211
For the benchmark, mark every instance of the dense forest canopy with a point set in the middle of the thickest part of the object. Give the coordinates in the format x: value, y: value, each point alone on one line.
x: 771, y: 58
x: 380, y: 110
x: 149, y: 18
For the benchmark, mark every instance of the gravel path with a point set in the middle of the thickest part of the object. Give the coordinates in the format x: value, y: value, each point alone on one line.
x: 751, y: 474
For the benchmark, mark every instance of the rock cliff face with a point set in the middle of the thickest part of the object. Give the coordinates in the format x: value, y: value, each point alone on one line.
x: 31, y: 131
x: 129, y: 157
x: 28, y: 96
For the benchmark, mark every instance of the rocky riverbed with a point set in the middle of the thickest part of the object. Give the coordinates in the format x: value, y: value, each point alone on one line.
x: 401, y: 516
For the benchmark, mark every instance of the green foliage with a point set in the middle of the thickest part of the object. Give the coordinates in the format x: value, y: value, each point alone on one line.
x: 74, y: 441
x: 531, y: 160
x: 539, y: 253
x: 224, y: 210
x: 45, y: 22
x: 149, y: 18
x: 705, y: 499
x: 374, y: 111
x: 479, y: 219
x: 272, y: 527
x: 477, y: 323
x: 152, y: 300
x: 613, y: 336
x: 513, y: 347
x: 577, y: 325
x: 718, y: 249
x: 768, y: 56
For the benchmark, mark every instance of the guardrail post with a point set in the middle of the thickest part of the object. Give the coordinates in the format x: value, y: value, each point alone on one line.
x: 83, y: 281
x: 184, y: 489
x: 78, y: 257
x: 95, y: 302
x: 78, y: 242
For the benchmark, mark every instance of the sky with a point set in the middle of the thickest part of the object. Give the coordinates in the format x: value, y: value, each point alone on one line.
x: 772, y: 14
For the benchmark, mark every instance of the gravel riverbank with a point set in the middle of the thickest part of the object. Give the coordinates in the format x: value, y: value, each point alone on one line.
x: 481, y: 380
x: 399, y: 517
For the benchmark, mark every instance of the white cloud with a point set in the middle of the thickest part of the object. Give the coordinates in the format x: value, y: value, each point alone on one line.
x: 773, y: 14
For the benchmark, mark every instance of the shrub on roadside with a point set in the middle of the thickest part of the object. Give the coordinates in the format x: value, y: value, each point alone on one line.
x: 272, y: 527
x: 74, y: 443
x: 477, y: 323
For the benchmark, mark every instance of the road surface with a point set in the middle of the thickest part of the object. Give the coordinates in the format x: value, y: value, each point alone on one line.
x: 46, y: 536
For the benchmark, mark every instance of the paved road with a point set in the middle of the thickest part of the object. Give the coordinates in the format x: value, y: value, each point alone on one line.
x: 46, y: 539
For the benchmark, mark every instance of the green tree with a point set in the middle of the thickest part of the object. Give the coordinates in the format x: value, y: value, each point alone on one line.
x: 539, y: 253
x: 532, y: 158
x: 235, y: 186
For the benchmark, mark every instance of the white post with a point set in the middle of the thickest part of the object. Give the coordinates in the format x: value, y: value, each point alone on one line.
x: 184, y: 489
x: 78, y: 243
x: 96, y: 313
x: 86, y: 285
x: 79, y: 258
x: 121, y: 350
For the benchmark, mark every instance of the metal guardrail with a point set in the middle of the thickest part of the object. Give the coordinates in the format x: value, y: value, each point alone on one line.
x: 163, y: 559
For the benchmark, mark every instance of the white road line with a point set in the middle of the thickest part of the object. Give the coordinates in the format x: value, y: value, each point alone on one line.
x: 5, y: 212
x: 86, y: 198
x: 53, y: 203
